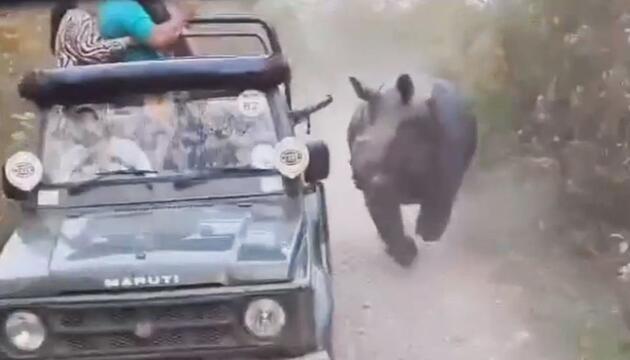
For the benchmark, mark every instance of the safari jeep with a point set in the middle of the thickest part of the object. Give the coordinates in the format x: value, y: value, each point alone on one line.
x: 169, y: 212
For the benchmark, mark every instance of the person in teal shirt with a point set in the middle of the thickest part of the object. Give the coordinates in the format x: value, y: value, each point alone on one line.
x: 121, y: 18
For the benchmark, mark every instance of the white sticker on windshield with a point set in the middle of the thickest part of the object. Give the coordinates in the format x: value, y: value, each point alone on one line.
x: 48, y: 197
x: 251, y: 103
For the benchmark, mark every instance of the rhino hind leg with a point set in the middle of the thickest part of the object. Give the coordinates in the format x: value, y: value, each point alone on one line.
x: 387, y: 217
x: 432, y: 221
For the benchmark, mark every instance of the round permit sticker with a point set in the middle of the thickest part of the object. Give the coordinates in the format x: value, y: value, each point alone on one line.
x: 24, y: 170
x: 292, y: 157
x: 252, y: 103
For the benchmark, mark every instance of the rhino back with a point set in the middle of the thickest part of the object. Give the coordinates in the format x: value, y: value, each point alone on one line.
x: 458, y: 137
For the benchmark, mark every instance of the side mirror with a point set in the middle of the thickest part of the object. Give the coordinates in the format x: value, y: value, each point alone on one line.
x: 319, y: 166
x: 300, y: 116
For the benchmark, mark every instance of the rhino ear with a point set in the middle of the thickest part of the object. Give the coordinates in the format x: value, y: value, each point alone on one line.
x: 363, y: 92
x: 405, y: 87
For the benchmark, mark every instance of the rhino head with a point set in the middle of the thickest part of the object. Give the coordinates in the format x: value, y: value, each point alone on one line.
x: 392, y: 136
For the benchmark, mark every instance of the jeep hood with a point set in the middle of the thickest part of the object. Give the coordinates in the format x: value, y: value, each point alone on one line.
x: 206, y: 245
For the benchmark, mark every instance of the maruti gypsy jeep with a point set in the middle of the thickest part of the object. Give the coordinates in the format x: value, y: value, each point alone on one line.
x: 170, y: 211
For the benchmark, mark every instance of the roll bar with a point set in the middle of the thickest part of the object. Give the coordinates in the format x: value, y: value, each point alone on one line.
x: 102, y: 83
x: 272, y: 37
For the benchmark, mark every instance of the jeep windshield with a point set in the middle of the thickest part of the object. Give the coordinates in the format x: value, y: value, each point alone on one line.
x: 188, y: 133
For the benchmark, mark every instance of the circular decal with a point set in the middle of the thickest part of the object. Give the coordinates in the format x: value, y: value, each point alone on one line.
x: 252, y: 103
x: 292, y: 157
x: 24, y: 170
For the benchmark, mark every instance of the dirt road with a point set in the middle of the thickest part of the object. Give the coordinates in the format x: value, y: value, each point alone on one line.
x: 496, y: 287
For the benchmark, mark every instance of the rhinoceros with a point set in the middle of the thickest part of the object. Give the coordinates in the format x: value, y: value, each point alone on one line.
x: 406, y: 149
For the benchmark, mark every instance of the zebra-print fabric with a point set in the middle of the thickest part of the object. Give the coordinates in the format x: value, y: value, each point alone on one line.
x: 79, y: 42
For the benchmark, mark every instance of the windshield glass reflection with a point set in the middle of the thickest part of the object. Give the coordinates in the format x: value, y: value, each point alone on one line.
x: 175, y: 132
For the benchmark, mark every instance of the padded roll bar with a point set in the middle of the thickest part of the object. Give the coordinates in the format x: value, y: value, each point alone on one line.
x: 102, y: 83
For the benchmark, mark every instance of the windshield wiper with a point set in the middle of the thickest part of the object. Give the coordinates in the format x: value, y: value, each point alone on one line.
x: 203, y: 176
x: 134, y: 172
x: 78, y: 188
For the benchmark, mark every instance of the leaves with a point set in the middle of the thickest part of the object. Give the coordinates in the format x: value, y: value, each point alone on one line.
x: 19, y: 136
x: 27, y: 116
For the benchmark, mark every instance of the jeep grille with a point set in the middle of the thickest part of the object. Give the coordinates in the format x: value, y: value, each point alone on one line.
x: 129, y: 329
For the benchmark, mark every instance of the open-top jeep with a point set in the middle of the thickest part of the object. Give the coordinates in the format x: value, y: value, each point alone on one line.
x: 170, y: 212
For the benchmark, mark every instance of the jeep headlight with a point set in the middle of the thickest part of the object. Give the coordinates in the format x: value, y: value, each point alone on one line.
x: 25, y: 331
x: 265, y: 318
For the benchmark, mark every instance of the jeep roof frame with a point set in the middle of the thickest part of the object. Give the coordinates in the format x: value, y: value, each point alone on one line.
x: 270, y: 31
x: 107, y: 82
x: 272, y: 37
x: 98, y: 83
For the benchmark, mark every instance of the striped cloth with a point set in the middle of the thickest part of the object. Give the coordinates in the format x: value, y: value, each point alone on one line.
x: 79, y: 42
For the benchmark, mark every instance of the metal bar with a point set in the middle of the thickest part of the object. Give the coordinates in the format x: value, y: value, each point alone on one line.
x: 102, y: 83
x: 103, y: 330
x: 231, y: 34
x: 244, y: 19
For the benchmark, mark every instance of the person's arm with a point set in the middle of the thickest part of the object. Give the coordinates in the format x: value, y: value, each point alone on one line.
x: 167, y: 34
x: 182, y: 46
x: 88, y: 45
x: 138, y: 24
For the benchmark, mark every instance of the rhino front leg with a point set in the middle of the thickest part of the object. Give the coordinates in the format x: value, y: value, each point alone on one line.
x: 387, y: 217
